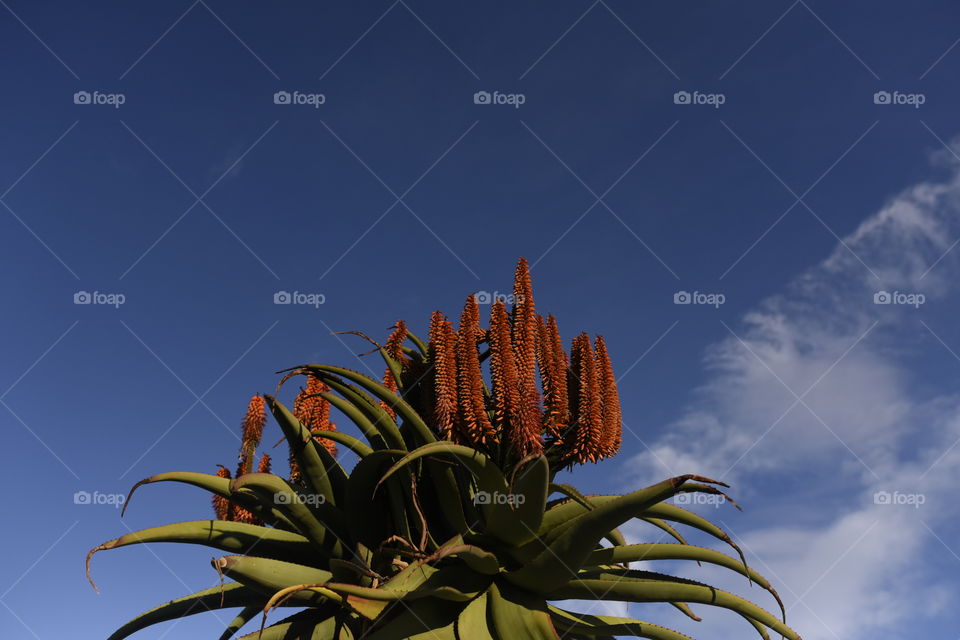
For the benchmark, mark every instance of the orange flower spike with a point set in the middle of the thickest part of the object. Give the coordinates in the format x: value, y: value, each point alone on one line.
x: 559, y: 360
x: 394, y: 345
x: 588, y: 436
x: 444, y: 361
x: 553, y: 377
x: 506, y: 386
x: 264, y: 466
x: 255, y: 420
x: 313, y: 412
x: 319, y: 408
x: 474, y: 425
x: 222, y: 507
x: 253, y: 423
x: 394, y: 349
x: 610, y: 399
x: 524, y: 340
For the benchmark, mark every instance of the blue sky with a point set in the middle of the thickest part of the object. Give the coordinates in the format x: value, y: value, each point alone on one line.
x: 788, y: 185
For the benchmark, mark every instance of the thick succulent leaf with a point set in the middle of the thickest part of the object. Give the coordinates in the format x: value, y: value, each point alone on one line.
x: 420, y: 344
x: 322, y: 523
x: 306, y: 625
x: 380, y: 430
x: 477, y: 559
x: 394, y: 366
x: 318, y: 473
x: 663, y: 526
x: 219, y: 597
x: 499, y: 519
x: 217, y: 486
x: 642, y: 586
x: 351, y: 443
x: 571, y: 492
x: 514, y: 614
x: 573, y: 543
x: 662, y: 551
x: 593, y: 626
x: 562, y: 514
x: 233, y: 537
x: 245, y: 616
x: 473, y: 623
x: 531, y: 481
x: 760, y: 629
x: 394, y: 401
x: 451, y: 497
x: 418, y: 620
x: 270, y: 576
x: 365, y: 508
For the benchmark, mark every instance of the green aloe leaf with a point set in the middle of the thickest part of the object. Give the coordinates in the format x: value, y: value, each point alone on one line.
x: 268, y: 576
x: 517, y: 615
x: 319, y: 473
x: 593, y: 626
x: 323, y: 524
x: 245, y: 616
x: 640, y: 586
x: 233, y: 537
x: 220, y: 597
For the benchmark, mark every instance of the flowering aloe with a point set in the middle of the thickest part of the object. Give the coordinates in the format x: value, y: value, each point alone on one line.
x: 445, y: 528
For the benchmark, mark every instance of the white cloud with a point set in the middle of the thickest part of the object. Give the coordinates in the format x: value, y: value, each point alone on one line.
x: 813, y: 466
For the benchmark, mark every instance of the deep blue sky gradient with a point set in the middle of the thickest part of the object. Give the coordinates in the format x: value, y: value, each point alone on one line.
x: 97, y: 398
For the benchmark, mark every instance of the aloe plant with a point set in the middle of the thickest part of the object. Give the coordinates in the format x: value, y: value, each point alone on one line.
x: 445, y: 527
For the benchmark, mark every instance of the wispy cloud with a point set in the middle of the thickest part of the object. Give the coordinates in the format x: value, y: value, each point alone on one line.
x: 812, y: 410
